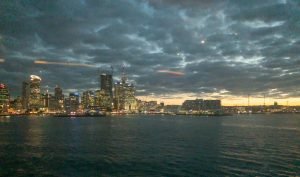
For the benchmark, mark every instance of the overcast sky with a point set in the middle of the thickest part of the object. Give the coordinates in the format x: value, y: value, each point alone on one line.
x: 196, y: 48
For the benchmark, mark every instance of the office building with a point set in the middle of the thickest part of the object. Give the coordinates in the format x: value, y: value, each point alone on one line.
x: 212, y: 105
x: 35, y: 101
x: 16, y: 105
x: 72, y: 103
x: 125, y: 96
x: 88, y: 100
x: 192, y: 105
x: 59, y: 99
x: 25, y: 95
x: 201, y: 105
x: 106, y: 84
x: 4, y: 98
x: 49, y: 102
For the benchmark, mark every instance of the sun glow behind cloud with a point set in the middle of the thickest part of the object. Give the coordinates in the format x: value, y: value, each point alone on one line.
x: 42, y: 62
x: 173, y: 73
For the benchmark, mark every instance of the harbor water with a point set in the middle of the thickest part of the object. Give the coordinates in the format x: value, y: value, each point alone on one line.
x: 151, y: 145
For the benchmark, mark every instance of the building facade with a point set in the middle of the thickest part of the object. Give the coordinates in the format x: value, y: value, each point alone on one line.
x: 88, y: 100
x: 25, y: 95
x: 35, y: 100
x: 72, y: 103
x: 125, y: 96
x: 193, y: 105
x: 201, y: 105
x: 105, y: 95
x: 4, y: 98
x: 59, y: 99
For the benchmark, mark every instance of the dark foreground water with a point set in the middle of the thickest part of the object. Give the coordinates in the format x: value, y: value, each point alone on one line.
x: 255, y: 145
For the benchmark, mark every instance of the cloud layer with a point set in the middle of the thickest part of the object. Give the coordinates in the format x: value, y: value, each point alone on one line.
x: 222, y: 48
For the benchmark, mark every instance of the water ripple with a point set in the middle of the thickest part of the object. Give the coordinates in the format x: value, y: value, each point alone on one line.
x: 150, y: 146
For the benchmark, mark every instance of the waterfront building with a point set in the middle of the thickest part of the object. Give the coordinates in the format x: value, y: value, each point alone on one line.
x: 74, y: 101
x: 106, y: 84
x: 49, y: 102
x: 4, y: 98
x: 71, y: 103
x: 104, y: 101
x: 97, y: 98
x: 45, y: 100
x: 201, y: 105
x: 16, y: 104
x: 59, y: 99
x: 148, y: 106
x: 35, y: 101
x: 212, y: 105
x: 25, y: 95
x: 193, y: 105
x: 88, y: 100
x: 172, y: 108
x: 125, y: 96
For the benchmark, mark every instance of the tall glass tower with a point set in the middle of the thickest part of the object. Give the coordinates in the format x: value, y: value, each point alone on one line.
x: 4, y: 98
x: 35, y: 101
x: 106, y: 85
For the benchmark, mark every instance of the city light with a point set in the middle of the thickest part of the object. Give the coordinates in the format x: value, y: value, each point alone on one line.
x: 42, y: 62
x: 2, y: 86
x: 2, y: 60
x: 174, y: 73
x: 34, y: 77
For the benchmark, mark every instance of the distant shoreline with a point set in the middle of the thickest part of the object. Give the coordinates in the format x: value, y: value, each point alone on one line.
x: 121, y: 115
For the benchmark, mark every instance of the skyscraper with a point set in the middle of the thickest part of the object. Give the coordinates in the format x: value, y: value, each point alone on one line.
x: 4, y: 98
x: 88, y: 99
x: 35, y: 101
x: 16, y: 104
x: 125, y: 96
x: 25, y: 95
x: 59, y: 99
x: 106, y: 85
x: 58, y: 92
x: 72, y: 103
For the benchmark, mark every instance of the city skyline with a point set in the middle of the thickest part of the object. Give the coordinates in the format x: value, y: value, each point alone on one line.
x: 172, y: 50
x: 249, y: 101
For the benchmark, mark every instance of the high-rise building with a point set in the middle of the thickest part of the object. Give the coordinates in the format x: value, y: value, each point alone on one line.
x: 88, y: 99
x: 102, y: 101
x: 58, y: 92
x: 16, y: 104
x: 25, y: 95
x: 35, y: 101
x: 125, y: 96
x: 97, y: 99
x: 4, y: 98
x: 49, y: 102
x: 106, y: 85
x: 106, y: 82
x: 72, y: 103
x: 59, y: 99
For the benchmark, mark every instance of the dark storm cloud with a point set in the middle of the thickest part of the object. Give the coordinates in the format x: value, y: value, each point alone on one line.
x: 239, y: 47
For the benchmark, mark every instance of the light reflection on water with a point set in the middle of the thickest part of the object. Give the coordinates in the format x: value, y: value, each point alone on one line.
x: 256, y: 145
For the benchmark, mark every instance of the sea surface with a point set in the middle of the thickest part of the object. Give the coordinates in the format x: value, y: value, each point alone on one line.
x: 151, y: 145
